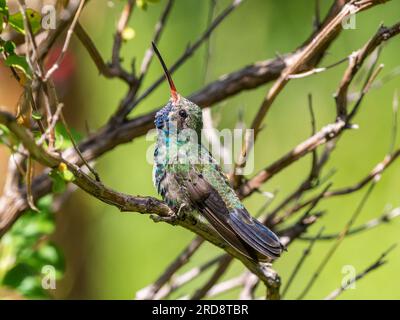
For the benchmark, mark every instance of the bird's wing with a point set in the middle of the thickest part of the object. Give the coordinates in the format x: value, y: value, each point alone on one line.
x: 209, y: 202
x: 236, y: 226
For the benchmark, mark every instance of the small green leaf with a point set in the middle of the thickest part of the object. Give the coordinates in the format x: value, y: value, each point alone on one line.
x: 50, y: 254
x: 26, y: 249
x: 18, y: 62
x: 16, y: 21
x: 67, y: 175
x: 14, y: 277
x: 31, y: 287
x: 4, y: 131
x: 62, y: 138
x: 4, y: 8
x: 9, y: 47
x: 36, y: 115
x: 59, y: 184
x: 7, y: 137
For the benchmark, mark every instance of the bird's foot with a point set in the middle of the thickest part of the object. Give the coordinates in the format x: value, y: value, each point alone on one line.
x: 168, y: 219
x: 179, y: 214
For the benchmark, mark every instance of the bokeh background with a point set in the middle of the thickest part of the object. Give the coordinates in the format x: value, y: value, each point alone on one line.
x: 111, y: 255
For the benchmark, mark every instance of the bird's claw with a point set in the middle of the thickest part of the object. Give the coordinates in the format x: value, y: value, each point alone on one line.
x: 179, y: 214
x: 169, y: 219
x: 172, y: 218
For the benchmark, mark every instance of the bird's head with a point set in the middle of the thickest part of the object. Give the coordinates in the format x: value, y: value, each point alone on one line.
x: 179, y: 113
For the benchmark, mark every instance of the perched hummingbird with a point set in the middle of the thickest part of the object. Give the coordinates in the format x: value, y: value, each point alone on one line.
x: 187, y: 177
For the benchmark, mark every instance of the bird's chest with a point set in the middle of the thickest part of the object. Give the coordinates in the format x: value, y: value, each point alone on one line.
x: 170, y: 165
x: 169, y: 185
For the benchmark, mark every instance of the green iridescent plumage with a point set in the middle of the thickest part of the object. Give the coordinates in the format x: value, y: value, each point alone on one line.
x: 187, y: 176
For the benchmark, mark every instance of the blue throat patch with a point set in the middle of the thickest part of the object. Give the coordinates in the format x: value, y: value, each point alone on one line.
x: 162, y: 116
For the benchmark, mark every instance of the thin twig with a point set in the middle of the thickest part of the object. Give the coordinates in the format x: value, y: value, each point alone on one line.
x: 93, y: 52
x: 249, y: 286
x: 159, y: 28
x: 76, y: 147
x: 121, y: 25
x: 53, y: 124
x: 29, y: 38
x: 222, y: 267
x: 294, y: 67
x: 375, y: 173
x: 150, y: 291
x: 226, y: 286
x: 337, y: 243
x: 64, y: 49
x: 190, y: 50
x: 179, y: 281
x: 300, y: 263
x: 373, y: 223
x: 395, y: 108
x: 29, y: 175
x: 377, y: 264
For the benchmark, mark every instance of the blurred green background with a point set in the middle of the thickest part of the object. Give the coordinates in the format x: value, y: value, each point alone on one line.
x: 111, y: 255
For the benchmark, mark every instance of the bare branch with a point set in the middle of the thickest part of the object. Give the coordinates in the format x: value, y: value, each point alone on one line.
x: 333, y: 130
x: 94, y: 53
x: 295, y: 66
x: 384, y: 218
x: 375, y: 174
x: 249, y: 286
x: 115, y: 59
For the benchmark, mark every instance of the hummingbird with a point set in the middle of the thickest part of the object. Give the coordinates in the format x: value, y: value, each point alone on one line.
x: 187, y: 177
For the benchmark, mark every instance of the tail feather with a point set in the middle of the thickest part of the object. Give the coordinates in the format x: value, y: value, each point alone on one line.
x: 255, y: 234
x: 236, y: 226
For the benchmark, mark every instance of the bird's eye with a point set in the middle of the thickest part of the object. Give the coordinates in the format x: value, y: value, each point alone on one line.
x: 183, y: 114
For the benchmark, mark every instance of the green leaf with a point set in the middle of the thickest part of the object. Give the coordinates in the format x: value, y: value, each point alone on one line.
x: 62, y: 138
x: 67, y: 175
x: 38, y: 227
x: 4, y: 131
x: 16, y: 275
x: 16, y: 21
x: 4, y: 8
x: 28, y: 251
x: 31, y: 287
x: 18, y: 62
x: 50, y: 254
x: 9, y: 47
x: 7, y: 137
x: 45, y: 204
x: 34, y: 224
x: 59, y: 184
x: 36, y: 115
